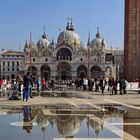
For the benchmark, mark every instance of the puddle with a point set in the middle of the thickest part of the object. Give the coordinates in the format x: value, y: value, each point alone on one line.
x: 64, y: 121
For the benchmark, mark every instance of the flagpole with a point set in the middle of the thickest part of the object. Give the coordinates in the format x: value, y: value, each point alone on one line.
x: 19, y: 58
x: 88, y: 45
x: 30, y: 45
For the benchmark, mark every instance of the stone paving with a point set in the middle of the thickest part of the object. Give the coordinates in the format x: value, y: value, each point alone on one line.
x: 77, y: 98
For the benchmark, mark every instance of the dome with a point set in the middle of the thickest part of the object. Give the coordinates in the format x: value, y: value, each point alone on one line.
x: 28, y: 46
x: 43, y: 42
x: 71, y: 37
x: 98, y: 41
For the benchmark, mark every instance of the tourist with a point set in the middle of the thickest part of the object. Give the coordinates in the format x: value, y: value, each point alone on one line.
x: 27, y: 86
x: 38, y: 83
x: 110, y: 86
x: 85, y: 83
x: 102, y: 84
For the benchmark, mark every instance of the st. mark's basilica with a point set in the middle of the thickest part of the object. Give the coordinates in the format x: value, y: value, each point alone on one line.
x: 68, y: 58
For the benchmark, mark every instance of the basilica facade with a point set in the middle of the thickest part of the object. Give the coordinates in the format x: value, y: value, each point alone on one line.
x: 68, y: 58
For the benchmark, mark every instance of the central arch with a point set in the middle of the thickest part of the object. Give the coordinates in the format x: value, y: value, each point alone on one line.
x: 64, y: 54
x: 82, y: 71
x: 63, y: 71
x: 96, y: 72
x: 45, y: 72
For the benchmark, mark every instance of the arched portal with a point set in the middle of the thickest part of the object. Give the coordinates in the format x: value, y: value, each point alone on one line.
x: 82, y: 72
x: 64, y: 54
x: 63, y: 71
x: 96, y: 72
x: 45, y: 72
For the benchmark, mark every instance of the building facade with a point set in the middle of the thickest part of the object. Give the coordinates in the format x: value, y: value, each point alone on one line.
x: 9, y: 63
x: 68, y: 58
x: 132, y: 40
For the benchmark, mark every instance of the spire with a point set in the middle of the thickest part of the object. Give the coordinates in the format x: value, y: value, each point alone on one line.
x: 103, y: 42
x: 98, y: 34
x: 26, y: 43
x: 52, y: 41
x: 69, y: 24
x: 44, y: 34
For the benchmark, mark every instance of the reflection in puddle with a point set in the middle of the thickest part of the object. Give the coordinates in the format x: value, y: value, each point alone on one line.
x: 59, y: 122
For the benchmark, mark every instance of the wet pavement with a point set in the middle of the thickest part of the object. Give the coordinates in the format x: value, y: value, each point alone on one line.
x: 81, y: 116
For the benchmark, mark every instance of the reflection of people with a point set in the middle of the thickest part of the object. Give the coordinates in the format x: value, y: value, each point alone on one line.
x: 27, y: 125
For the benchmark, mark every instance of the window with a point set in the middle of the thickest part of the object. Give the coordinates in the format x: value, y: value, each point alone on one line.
x: 33, y: 59
x: 17, y: 69
x: 12, y: 69
x: 7, y: 69
x: 46, y: 59
x: 12, y: 63
x: 8, y: 64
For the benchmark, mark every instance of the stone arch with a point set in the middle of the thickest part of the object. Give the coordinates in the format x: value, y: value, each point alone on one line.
x: 82, y: 71
x: 96, y: 72
x: 64, y: 54
x: 45, y: 71
x: 63, y: 70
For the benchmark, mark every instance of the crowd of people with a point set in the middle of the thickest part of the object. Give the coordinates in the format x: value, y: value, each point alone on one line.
x: 22, y: 85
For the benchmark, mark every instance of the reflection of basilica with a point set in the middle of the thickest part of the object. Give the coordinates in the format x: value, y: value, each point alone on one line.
x: 68, y: 125
x: 68, y: 58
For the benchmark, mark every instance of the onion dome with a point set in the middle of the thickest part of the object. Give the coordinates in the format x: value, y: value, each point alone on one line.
x: 98, y: 41
x: 69, y: 36
x: 43, y: 42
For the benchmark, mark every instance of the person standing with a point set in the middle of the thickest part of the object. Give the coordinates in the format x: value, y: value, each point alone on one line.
x: 102, y: 84
x: 27, y: 84
x: 38, y: 83
x: 110, y: 86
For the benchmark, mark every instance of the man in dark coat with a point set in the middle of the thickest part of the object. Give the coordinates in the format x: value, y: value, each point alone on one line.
x: 27, y: 84
x: 102, y: 84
